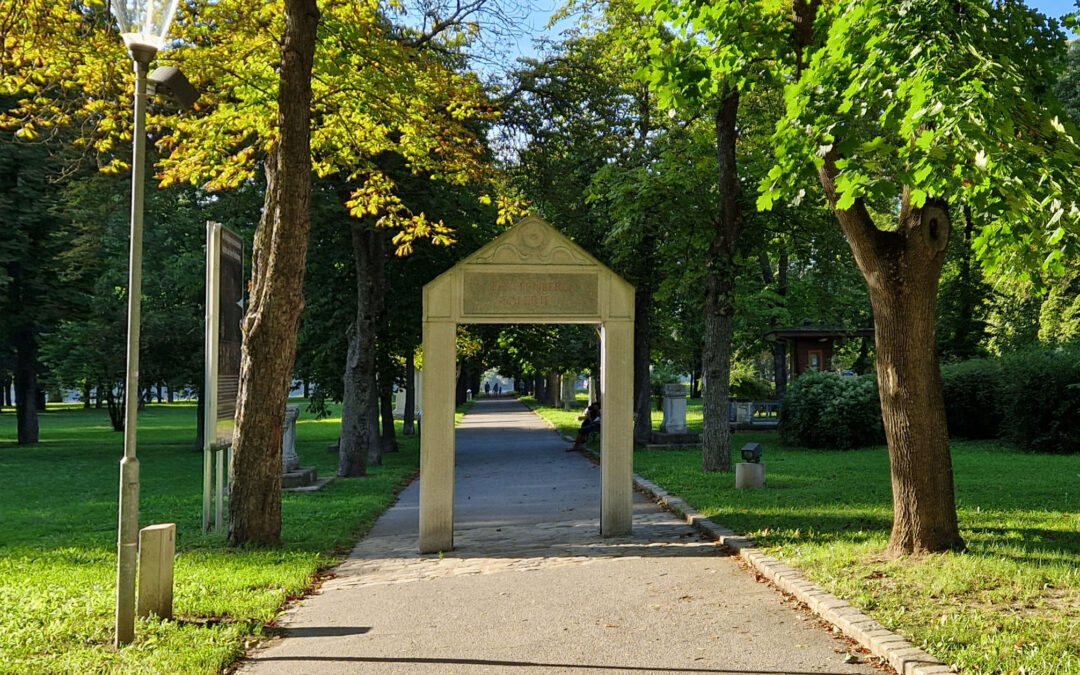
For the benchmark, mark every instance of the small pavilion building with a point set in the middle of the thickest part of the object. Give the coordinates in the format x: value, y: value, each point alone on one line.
x: 811, y: 348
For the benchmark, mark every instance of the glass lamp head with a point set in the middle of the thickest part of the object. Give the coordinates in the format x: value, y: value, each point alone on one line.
x: 143, y: 24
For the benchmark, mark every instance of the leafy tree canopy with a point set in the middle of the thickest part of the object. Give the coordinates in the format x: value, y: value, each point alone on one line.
x: 949, y: 100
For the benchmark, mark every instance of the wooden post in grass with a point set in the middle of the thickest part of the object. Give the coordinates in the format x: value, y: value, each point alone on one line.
x: 157, y: 547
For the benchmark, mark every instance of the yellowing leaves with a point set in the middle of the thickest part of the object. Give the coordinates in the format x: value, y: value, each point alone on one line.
x: 374, y: 96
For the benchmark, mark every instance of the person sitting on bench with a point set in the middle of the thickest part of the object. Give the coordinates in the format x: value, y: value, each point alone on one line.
x: 590, y: 425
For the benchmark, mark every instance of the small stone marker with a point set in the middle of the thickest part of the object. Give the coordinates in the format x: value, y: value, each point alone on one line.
x: 744, y: 412
x: 290, y: 461
x: 674, y: 409
x: 157, y: 547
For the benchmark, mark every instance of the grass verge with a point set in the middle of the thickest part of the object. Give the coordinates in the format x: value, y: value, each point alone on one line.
x: 1010, y: 604
x: 58, y: 550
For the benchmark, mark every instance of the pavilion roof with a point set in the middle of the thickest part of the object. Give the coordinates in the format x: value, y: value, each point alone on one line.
x: 809, y: 331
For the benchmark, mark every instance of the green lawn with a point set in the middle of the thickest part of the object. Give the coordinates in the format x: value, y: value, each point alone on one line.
x: 58, y: 515
x: 1011, y: 604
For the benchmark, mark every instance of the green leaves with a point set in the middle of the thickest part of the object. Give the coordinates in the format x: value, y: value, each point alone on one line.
x: 698, y: 50
x: 949, y: 102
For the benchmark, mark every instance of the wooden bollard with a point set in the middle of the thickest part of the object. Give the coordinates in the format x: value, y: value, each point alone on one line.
x: 157, y: 547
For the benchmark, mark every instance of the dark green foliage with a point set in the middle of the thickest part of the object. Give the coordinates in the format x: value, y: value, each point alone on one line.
x: 1067, y: 88
x: 746, y: 385
x: 1040, y: 400
x: 827, y: 410
x: 973, y: 398
x: 1030, y: 398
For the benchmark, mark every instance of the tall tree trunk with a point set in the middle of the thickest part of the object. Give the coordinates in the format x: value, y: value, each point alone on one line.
x: 353, y: 444
x: 720, y: 295
x: 360, y: 404
x: 645, y: 290
x: 408, y: 427
x: 277, y: 294
x: 902, y: 270
x: 779, y: 348
x: 115, y: 405
x: 26, y: 386
x: 386, y: 410
x: 553, y: 390
x: 375, y: 451
x: 643, y: 297
x: 474, y: 379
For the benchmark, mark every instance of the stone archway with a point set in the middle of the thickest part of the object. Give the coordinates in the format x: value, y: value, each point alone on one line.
x: 529, y: 274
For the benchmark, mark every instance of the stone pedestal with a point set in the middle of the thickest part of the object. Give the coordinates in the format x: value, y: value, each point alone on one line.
x: 290, y: 461
x: 295, y: 478
x: 674, y: 409
x: 749, y: 475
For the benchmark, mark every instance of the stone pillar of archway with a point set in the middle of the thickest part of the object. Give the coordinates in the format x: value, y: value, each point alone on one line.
x: 616, y: 439
x: 437, y: 438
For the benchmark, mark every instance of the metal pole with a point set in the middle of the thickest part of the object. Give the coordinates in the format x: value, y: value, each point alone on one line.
x: 127, y: 540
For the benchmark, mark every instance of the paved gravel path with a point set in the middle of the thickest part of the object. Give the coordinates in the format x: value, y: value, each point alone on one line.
x: 531, y: 587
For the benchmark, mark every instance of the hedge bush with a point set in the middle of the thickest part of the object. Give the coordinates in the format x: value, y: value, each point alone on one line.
x: 1030, y: 399
x: 1040, y: 400
x: 827, y: 410
x: 973, y: 398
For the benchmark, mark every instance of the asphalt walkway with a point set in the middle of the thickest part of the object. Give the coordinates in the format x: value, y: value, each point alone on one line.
x: 531, y: 587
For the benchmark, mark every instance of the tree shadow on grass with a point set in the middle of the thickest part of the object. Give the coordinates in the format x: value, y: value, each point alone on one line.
x: 1028, y: 545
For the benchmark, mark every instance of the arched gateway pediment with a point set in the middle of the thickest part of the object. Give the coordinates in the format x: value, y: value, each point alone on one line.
x: 530, y: 274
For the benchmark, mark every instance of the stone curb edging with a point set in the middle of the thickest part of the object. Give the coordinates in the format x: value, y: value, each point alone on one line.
x: 904, y: 657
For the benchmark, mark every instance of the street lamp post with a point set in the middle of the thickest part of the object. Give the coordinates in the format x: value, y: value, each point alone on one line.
x: 144, y: 25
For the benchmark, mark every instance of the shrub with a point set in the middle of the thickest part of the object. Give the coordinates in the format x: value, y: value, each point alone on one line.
x: 972, y: 398
x: 826, y: 410
x: 1040, y: 400
x: 750, y: 387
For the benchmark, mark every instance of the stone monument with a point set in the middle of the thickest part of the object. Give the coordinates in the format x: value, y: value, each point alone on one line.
x: 295, y: 478
x: 673, y: 432
x: 674, y: 409
x: 290, y: 461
